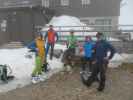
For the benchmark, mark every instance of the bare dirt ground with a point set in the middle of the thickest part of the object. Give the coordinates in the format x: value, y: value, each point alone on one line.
x: 68, y: 86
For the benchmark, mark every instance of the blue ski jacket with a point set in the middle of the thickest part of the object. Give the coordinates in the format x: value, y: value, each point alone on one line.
x: 102, y: 47
x: 88, y: 46
x: 32, y: 46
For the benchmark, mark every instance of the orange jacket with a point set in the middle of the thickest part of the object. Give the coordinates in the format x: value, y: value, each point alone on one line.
x: 51, y: 34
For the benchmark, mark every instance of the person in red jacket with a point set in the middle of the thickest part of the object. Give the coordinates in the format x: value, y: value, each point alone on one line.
x: 52, y: 37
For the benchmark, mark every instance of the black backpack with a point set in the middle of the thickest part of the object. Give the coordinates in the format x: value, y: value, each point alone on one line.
x: 4, y: 73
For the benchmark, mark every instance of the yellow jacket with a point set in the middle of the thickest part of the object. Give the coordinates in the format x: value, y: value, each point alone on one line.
x: 40, y: 43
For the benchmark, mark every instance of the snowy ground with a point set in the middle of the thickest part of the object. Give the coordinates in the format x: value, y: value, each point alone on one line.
x: 22, y: 67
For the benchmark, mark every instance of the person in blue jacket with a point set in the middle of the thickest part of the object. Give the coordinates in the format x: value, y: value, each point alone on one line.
x: 38, y: 46
x: 88, y: 50
x: 100, y: 60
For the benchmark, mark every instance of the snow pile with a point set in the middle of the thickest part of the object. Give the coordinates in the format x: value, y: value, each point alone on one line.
x: 61, y: 47
x: 116, y: 61
x: 65, y: 20
x: 69, y: 23
x: 22, y: 66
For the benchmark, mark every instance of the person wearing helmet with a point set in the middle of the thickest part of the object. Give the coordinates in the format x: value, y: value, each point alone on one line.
x: 101, y: 59
x: 52, y: 37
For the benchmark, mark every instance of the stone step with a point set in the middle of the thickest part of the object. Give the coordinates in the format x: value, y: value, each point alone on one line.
x: 12, y: 45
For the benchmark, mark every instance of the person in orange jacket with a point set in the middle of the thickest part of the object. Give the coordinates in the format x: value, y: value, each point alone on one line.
x: 52, y: 37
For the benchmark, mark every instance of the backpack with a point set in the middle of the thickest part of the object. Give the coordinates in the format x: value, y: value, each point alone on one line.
x: 4, y: 73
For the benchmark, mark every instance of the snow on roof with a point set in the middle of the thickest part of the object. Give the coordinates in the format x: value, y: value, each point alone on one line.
x: 65, y: 20
x: 68, y: 23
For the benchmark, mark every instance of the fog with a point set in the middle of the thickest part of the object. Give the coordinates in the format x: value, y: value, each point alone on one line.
x: 126, y: 13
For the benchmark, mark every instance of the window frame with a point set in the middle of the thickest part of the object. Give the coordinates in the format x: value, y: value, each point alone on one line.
x: 64, y: 2
x: 46, y: 3
x: 85, y: 2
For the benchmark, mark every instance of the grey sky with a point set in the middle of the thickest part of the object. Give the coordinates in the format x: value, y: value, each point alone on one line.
x: 126, y: 14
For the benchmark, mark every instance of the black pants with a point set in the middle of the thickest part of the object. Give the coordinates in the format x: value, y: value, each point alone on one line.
x: 86, y: 63
x: 98, y: 68
x: 68, y: 56
x: 71, y: 51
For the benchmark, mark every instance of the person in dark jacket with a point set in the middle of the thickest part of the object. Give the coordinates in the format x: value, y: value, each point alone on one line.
x: 88, y: 51
x: 52, y: 37
x: 100, y: 61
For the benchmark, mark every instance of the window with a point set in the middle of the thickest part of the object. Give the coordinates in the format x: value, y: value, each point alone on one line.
x: 45, y: 3
x: 99, y: 22
x: 86, y: 2
x: 107, y: 21
x: 3, y: 25
x: 103, y: 22
x: 65, y: 2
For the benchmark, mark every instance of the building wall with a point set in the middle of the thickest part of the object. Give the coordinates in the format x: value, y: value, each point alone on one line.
x: 96, y: 8
x: 21, y: 24
x: 109, y: 20
x: 19, y: 3
x: 22, y: 19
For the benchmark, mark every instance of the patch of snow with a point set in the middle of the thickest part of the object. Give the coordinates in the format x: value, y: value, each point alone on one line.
x: 68, y: 23
x: 61, y: 47
x: 22, y: 67
x: 116, y: 61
